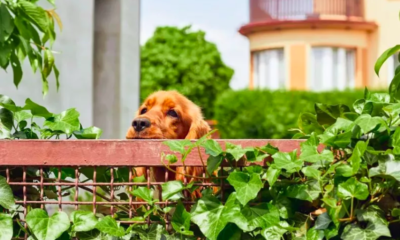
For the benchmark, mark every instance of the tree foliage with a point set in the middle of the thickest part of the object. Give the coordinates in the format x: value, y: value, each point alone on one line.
x: 181, y: 59
x: 266, y: 114
x: 27, y: 31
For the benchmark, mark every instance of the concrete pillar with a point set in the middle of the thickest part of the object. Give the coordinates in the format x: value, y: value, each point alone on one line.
x: 116, y: 67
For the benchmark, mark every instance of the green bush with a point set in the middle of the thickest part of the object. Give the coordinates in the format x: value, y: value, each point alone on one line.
x: 182, y: 59
x: 269, y: 114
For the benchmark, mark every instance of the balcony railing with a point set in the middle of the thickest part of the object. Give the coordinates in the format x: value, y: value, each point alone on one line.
x: 280, y: 10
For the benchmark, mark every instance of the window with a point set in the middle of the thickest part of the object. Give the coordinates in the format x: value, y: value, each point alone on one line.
x: 332, y: 68
x: 269, y: 69
x: 393, y: 63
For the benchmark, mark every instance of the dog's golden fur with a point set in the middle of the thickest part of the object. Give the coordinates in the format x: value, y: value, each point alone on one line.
x: 171, y: 116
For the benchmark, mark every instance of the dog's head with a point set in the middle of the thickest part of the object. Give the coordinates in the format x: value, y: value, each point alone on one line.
x: 168, y: 115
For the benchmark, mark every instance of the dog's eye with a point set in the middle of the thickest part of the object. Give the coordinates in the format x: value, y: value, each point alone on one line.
x: 144, y: 110
x: 172, y: 113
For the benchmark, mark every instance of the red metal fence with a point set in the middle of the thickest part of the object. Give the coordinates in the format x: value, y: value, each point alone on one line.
x: 53, y: 174
x: 277, y: 10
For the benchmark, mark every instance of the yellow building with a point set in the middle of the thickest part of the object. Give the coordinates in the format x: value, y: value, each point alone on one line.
x: 321, y: 44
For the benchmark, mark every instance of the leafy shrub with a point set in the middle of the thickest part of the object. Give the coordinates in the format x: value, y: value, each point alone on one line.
x: 27, y: 30
x: 18, y: 122
x: 264, y: 114
x: 183, y: 60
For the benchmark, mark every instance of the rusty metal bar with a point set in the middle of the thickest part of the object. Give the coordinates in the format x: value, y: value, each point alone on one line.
x: 116, y: 153
x: 33, y: 173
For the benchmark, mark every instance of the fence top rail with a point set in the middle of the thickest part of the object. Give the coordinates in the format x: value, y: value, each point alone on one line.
x: 115, y: 153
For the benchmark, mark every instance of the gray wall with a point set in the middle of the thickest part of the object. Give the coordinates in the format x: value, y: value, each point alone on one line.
x: 104, y: 89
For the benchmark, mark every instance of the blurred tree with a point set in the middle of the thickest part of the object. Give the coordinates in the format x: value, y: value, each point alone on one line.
x: 183, y: 60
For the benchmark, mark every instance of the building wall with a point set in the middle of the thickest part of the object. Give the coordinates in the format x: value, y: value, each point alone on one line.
x: 297, y: 44
x: 386, y: 14
x: 369, y: 45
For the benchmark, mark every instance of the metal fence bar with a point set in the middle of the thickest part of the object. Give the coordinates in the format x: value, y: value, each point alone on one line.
x: 64, y: 166
x: 278, y: 10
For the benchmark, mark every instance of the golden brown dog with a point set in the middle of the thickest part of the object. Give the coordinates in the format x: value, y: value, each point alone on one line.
x: 168, y: 115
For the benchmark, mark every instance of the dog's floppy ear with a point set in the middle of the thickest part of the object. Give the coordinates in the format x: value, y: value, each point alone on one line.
x: 198, y: 129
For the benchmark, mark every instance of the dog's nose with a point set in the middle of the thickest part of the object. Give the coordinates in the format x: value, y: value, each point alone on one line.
x: 139, y: 124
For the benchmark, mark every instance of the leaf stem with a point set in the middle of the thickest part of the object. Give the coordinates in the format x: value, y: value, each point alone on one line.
x: 186, y: 175
x: 202, y: 162
x: 352, y: 208
x: 345, y: 208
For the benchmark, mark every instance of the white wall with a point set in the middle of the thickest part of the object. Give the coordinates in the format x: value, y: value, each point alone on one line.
x: 75, y: 63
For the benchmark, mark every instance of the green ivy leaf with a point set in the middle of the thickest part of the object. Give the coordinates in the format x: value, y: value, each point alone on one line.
x: 83, y: 221
x: 88, y: 133
x: 271, y: 150
x: 259, y: 216
x: 230, y: 232
x: 311, y: 172
x: 395, y: 212
x: 109, y: 226
x: 331, y: 232
x: 67, y: 121
x: 339, y: 134
x: 323, y: 221
x: 213, y: 163
x: 394, y: 87
x: 314, y: 234
x: 156, y: 231
x: 93, y: 235
x: 307, y: 191
x: 36, y: 109
x: 327, y: 114
x: 309, y: 151
x: 172, y: 190
x: 236, y: 151
x: 45, y: 227
x: 6, y: 194
x: 246, y: 185
x: 308, y: 123
x: 212, y: 147
x: 395, y: 142
x: 6, y: 226
x: 344, y: 170
x: 381, y: 60
x: 6, y: 118
x: 355, y: 158
x: 353, y: 189
x: 388, y: 167
x: 145, y: 194
x: 368, y: 123
x: 171, y: 158
x: 288, y: 161
x: 272, y: 174
x: 212, y: 217
x: 6, y: 23
x: 178, y: 145
x: 181, y: 220
x: 358, y: 106
x: 21, y: 116
x: 275, y: 232
x: 376, y: 226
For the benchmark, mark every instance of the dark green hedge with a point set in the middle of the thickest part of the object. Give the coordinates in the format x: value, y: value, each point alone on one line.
x: 269, y: 114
